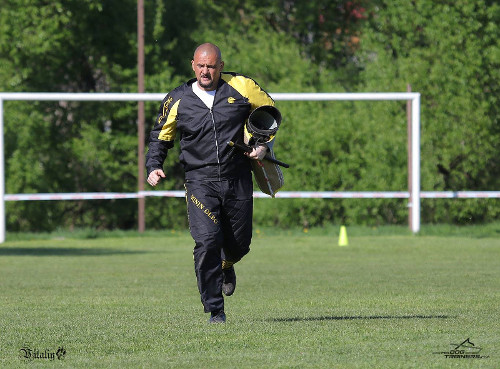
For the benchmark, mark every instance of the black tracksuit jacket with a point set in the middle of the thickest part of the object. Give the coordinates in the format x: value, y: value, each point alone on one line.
x: 204, y: 132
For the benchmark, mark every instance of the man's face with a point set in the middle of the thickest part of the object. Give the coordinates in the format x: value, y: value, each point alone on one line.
x: 207, y: 69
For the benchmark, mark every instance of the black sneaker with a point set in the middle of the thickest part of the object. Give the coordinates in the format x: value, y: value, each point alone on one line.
x: 218, y: 317
x: 228, y: 281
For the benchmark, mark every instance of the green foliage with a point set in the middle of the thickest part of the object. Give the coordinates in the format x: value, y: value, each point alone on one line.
x: 68, y: 146
x: 448, y: 51
x: 445, y: 50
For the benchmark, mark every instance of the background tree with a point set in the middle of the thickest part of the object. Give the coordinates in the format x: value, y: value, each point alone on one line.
x: 449, y: 51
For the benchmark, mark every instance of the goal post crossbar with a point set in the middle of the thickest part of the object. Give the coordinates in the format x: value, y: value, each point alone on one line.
x: 413, y: 195
x: 281, y: 96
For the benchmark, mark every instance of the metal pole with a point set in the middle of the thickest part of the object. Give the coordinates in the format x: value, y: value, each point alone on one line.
x: 415, y: 145
x: 140, y: 114
x: 409, y: 126
x: 2, y: 178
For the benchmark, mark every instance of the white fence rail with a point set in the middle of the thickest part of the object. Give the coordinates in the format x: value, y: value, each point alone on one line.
x: 414, y: 195
x: 279, y: 195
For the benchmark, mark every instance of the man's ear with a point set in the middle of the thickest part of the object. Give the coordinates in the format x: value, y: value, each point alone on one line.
x: 192, y: 65
x: 221, y: 65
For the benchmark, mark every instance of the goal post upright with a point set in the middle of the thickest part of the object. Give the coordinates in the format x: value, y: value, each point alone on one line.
x: 415, y: 163
x: 2, y: 177
x: 409, y: 153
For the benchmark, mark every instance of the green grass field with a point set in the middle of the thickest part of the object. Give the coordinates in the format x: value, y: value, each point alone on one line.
x: 384, y: 301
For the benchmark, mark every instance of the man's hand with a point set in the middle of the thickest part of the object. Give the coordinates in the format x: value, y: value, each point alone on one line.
x: 258, y: 152
x: 155, y: 176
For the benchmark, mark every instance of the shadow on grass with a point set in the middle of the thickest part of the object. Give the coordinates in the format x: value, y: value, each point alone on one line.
x: 64, y: 251
x: 369, y: 317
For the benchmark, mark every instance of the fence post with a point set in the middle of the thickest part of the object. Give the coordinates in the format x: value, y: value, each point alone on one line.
x: 140, y: 116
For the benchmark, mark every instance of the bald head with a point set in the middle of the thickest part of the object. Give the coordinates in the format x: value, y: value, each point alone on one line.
x: 208, y: 49
x: 207, y: 64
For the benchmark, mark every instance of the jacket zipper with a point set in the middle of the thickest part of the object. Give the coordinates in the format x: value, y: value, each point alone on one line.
x: 216, y: 142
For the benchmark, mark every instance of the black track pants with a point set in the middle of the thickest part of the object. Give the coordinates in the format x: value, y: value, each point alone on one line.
x: 220, y: 221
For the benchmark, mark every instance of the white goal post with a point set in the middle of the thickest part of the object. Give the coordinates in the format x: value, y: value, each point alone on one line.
x: 414, y: 195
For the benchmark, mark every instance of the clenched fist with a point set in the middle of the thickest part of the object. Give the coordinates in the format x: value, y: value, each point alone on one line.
x: 155, y: 176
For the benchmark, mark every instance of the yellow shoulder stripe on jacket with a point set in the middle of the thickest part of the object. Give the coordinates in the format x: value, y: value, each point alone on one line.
x: 170, y: 127
x: 249, y: 89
